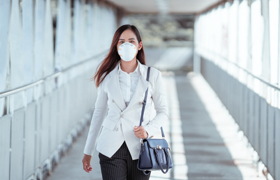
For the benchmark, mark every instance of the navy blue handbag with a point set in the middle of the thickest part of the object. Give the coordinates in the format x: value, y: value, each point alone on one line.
x: 154, y: 154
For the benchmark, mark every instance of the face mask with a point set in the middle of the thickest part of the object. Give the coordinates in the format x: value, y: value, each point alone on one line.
x: 127, y: 51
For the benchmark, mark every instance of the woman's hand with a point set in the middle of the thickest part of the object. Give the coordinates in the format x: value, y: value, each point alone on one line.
x: 140, y: 132
x: 86, y: 163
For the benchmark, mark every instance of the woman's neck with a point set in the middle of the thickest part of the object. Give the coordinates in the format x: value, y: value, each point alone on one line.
x: 128, y: 66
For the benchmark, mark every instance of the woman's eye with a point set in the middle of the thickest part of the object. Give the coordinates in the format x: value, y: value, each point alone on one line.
x: 129, y: 41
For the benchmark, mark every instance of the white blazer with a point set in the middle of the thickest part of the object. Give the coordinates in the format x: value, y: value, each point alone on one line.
x: 118, y: 121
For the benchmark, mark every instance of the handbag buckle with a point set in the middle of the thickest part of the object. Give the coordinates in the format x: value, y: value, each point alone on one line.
x: 158, y: 147
x: 141, y: 141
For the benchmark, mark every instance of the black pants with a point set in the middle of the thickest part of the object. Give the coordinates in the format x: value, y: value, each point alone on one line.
x: 120, y: 166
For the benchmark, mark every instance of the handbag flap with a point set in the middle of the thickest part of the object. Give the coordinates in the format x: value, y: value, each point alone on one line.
x: 154, y: 142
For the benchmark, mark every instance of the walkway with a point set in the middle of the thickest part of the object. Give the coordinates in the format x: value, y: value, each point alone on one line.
x: 203, y: 137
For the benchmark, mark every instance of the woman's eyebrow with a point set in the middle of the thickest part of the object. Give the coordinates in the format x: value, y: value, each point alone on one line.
x: 129, y: 38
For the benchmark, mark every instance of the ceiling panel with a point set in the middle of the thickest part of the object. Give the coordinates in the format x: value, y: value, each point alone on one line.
x: 174, y: 6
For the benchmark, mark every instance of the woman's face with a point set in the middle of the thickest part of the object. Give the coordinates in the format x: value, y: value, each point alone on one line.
x: 129, y: 36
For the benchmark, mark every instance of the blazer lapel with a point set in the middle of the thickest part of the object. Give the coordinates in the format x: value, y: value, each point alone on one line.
x: 141, y: 87
x: 115, y: 89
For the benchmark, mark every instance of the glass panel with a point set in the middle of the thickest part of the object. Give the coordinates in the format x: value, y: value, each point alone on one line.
x: 257, y: 37
x: 273, y: 30
x: 243, y: 33
x: 4, y: 55
x: 232, y: 40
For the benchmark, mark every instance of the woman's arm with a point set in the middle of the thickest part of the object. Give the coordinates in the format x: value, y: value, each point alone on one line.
x: 161, y: 107
x: 99, y: 113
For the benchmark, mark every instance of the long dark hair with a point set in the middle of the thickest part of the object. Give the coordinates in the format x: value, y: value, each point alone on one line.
x: 111, y: 60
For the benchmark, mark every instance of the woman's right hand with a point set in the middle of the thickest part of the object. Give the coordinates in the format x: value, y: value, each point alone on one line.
x: 86, y: 163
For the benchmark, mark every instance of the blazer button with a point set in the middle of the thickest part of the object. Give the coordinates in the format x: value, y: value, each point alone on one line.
x: 121, y: 115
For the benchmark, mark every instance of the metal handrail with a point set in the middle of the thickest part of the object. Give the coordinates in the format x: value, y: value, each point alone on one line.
x: 42, y: 80
x: 248, y: 72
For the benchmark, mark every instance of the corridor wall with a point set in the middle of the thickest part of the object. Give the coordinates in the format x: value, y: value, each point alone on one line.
x: 237, y: 43
x: 49, y: 49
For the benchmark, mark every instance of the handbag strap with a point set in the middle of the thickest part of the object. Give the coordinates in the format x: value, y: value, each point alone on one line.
x: 167, y: 160
x: 144, y: 103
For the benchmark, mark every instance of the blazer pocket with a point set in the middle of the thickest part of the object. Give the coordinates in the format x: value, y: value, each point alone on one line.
x: 109, y: 124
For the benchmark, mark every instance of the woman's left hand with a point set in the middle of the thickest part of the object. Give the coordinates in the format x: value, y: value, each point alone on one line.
x: 140, y: 132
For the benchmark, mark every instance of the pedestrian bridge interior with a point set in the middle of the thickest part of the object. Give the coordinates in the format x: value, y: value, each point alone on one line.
x: 220, y: 65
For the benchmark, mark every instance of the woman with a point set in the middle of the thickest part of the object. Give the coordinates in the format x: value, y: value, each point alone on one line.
x: 121, y: 85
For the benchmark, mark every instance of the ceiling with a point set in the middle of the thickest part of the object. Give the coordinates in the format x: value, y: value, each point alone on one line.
x: 162, y: 6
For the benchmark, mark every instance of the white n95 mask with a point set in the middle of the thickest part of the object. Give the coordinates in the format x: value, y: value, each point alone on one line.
x: 127, y: 51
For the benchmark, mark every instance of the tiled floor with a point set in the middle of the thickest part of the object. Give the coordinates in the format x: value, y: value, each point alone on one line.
x: 203, y: 137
